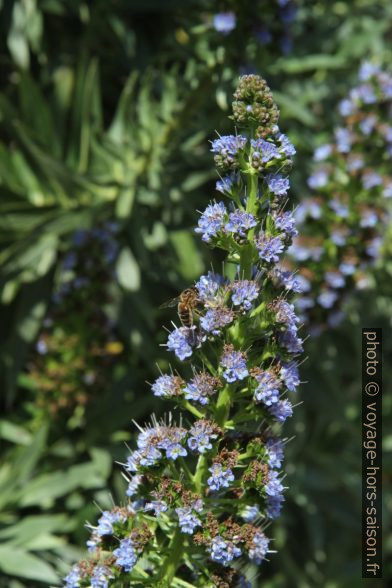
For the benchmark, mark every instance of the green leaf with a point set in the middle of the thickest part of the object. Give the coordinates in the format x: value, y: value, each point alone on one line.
x: 14, y: 433
x: 17, y: 562
x: 128, y: 270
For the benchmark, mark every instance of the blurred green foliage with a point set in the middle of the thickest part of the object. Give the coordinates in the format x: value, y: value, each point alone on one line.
x: 106, y: 109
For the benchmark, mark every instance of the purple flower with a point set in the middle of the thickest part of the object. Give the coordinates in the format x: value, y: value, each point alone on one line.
x: 269, y: 247
x: 369, y: 218
x: 274, y: 486
x: 234, y: 363
x: 244, y: 292
x: 367, y: 124
x: 259, y: 548
x: 125, y: 555
x: 220, y: 477
x: 211, y: 221
x: 278, y: 184
x: 239, y: 222
x: 224, y: 22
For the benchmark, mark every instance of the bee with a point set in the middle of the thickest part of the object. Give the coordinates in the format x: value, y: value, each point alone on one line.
x: 186, y: 303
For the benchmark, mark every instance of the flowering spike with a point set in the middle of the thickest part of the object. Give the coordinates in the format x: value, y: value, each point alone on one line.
x: 202, y: 491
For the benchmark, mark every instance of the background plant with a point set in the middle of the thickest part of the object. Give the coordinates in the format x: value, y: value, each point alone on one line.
x: 64, y: 67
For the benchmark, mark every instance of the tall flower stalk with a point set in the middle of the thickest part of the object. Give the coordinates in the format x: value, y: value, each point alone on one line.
x: 343, y: 222
x: 204, y: 483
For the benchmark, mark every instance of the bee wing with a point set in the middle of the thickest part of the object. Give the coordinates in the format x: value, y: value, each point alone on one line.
x: 170, y: 303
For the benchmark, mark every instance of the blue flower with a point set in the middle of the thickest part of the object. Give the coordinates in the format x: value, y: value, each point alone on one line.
x: 175, y: 450
x: 339, y: 208
x: 343, y: 140
x: 318, y: 179
x: 216, y: 318
x: 250, y: 513
x: 263, y: 152
x: 347, y: 107
x: 220, y: 478
x: 188, y: 521
x: 259, y: 548
x: 286, y: 146
x: 225, y: 184
x: 73, y: 579
x: 274, y: 449
x: 285, y: 222
x: 290, y: 376
x: 244, y: 292
x: 269, y: 247
x: 239, y: 222
x: 291, y: 341
x: 369, y: 218
x: 201, y: 434
x: 335, y: 279
x: 322, y: 152
x: 367, y: 124
x: 125, y: 555
x: 327, y: 298
x: 158, y: 506
x: 267, y: 390
x: 133, y: 485
x: 273, y: 486
x: 281, y: 410
x: 226, y: 150
x: 211, y: 221
x: 224, y: 22
x: 368, y: 70
x: 278, y: 184
x: 208, y: 285
x: 234, y: 363
x: 201, y: 387
x: 106, y: 521
x: 223, y: 551
x: 274, y: 506
x: 167, y: 386
x: 100, y: 577
x: 181, y: 341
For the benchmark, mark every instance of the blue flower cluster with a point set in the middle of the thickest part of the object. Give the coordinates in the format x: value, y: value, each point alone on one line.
x: 343, y: 221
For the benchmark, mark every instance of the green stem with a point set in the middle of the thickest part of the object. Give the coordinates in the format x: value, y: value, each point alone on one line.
x: 173, y: 559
